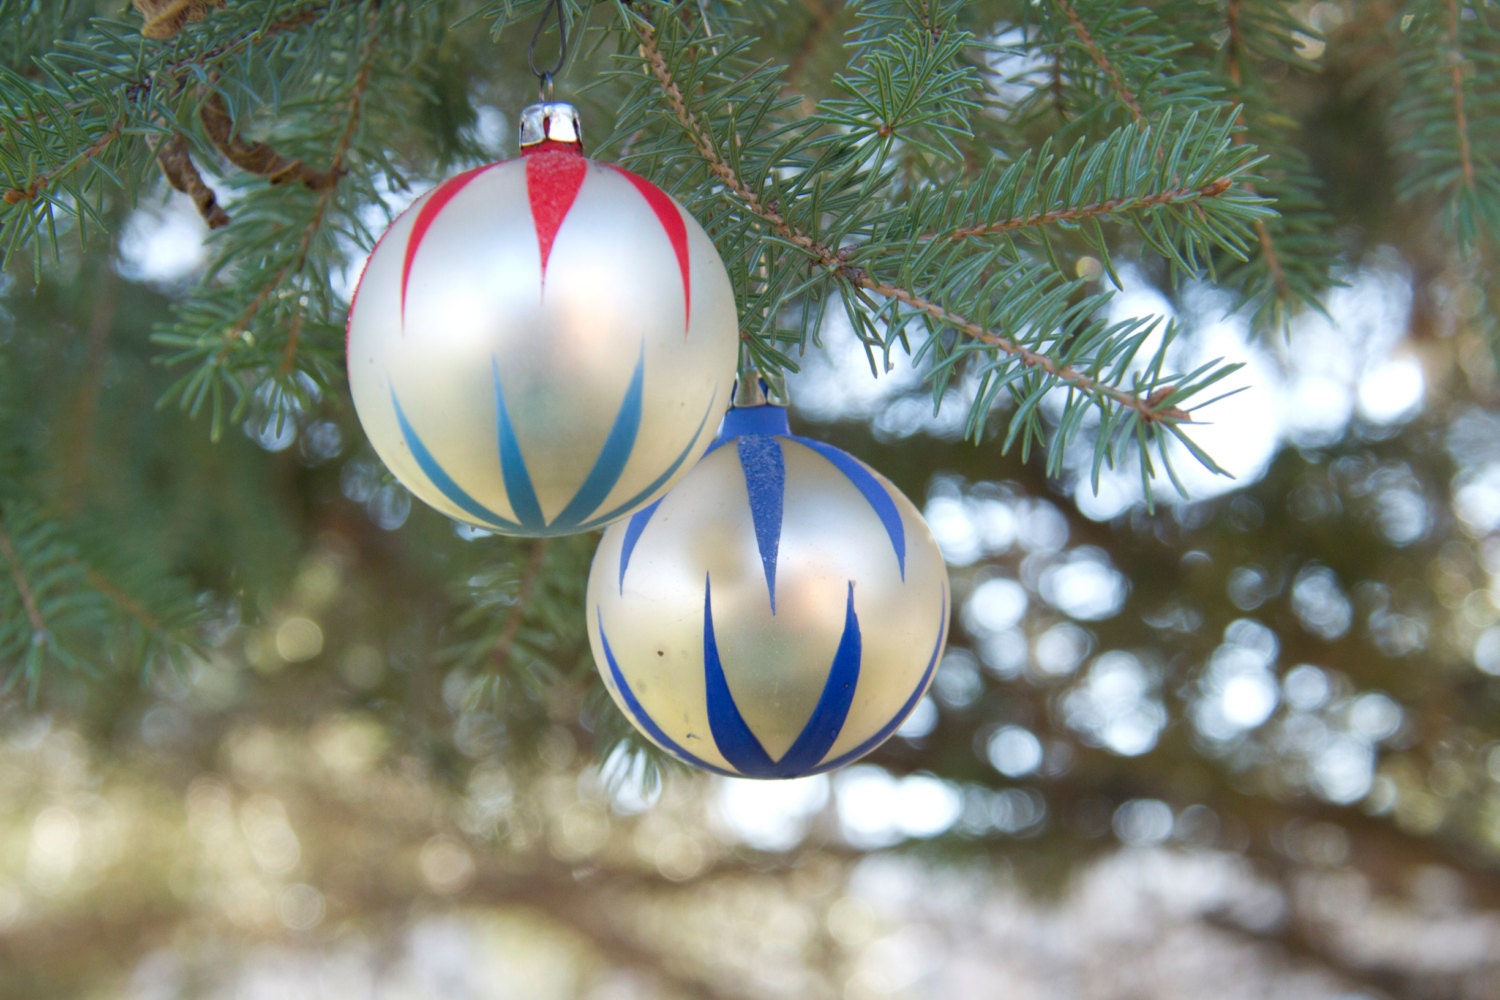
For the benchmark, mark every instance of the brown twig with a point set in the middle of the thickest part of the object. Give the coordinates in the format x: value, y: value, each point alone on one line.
x: 259, y: 157
x: 165, y: 18
x: 1095, y: 210
x: 830, y: 259
x: 1101, y: 60
x: 23, y: 583
x: 530, y: 573
x: 176, y: 163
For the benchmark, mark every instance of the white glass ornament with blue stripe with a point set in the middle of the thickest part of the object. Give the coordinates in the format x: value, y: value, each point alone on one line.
x: 544, y: 345
x: 778, y: 613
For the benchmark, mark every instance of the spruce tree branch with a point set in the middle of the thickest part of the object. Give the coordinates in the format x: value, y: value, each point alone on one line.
x: 236, y: 330
x: 1110, y: 206
x: 1461, y: 118
x: 703, y: 141
x: 530, y: 573
x: 139, y: 88
x: 22, y: 582
x: 121, y: 600
x: 1149, y: 408
x: 1101, y: 60
x: 74, y: 163
x: 1233, y: 47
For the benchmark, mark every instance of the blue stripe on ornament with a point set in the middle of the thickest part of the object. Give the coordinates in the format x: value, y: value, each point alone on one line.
x: 890, y: 727
x: 764, y: 419
x: 738, y: 744
x: 612, y: 457
x: 638, y: 713
x: 633, y: 529
x: 660, y: 480
x: 875, y: 494
x: 832, y: 710
x: 765, y: 486
x: 439, y: 477
x: 518, y: 486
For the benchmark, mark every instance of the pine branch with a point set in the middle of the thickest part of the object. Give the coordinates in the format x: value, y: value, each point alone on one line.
x: 325, y: 183
x: 1184, y: 189
x: 44, y: 180
x: 1123, y: 92
x: 1099, y: 209
x: 127, y: 604
x: 23, y: 584
x: 1233, y: 48
x: 244, y: 336
x: 1150, y: 407
x: 78, y: 616
x: 90, y: 97
x: 1448, y: 114
x: 500, y: 655
x: 1155, y: 402
x: 1460, y: 118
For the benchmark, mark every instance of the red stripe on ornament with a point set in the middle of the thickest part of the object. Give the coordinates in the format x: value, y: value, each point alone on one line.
x: 426, y: 215
x: 670, y: 217
x: 553, y: 178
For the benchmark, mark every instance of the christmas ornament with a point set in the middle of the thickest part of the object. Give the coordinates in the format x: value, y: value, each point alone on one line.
x: 777, y: 614
x: 543, y: 345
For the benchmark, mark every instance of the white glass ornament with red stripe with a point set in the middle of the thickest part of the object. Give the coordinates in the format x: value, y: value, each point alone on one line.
x: 543, y: 345
x: 778, y: 613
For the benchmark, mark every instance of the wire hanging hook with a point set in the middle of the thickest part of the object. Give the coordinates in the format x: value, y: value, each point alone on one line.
x: 544, y: 76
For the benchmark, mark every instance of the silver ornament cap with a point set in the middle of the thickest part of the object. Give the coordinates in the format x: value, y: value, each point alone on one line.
x: 778, y: 613
x: 554, y: 121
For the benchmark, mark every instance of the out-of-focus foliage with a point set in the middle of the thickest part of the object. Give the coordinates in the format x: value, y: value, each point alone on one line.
x: 270, y: 728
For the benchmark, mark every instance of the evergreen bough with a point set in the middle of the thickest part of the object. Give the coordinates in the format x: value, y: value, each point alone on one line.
x: 937, y: 172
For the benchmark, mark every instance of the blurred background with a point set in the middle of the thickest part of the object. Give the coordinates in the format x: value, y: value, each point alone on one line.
x: 1244, y: 744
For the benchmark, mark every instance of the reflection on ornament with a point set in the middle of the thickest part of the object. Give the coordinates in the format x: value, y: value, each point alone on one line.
x: 542, y: 346
x: 777, y: 614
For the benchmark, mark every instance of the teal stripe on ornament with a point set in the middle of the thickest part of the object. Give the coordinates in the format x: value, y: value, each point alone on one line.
x: 601, y: 480
x: 439, y: 478
x: 518, y: 488
x: 612, y: 457
x: 660, y: 480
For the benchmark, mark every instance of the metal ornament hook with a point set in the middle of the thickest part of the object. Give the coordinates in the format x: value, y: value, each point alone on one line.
x: 544, y: 76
